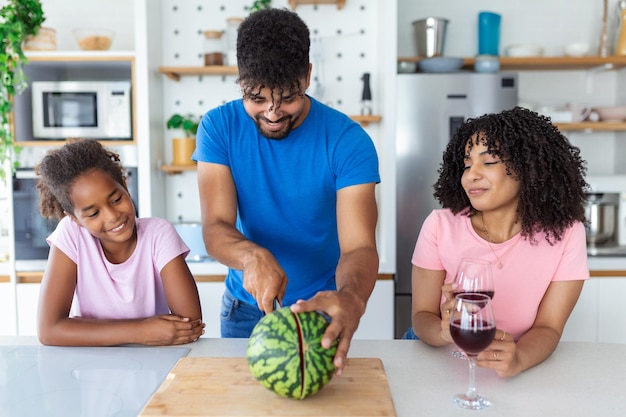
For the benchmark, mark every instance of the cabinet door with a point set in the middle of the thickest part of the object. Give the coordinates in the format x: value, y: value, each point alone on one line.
x: 611, y: 316
x: 27, y: 299
x: 7, y: 310
x: 582, y: 325
x: 211, y: 301
x: 377, y: 322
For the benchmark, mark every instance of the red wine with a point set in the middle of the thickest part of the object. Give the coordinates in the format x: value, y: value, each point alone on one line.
x: 475, y: 340
x: 489, y: 294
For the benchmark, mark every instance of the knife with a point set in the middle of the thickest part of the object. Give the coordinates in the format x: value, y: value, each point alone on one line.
x: 276, y: 304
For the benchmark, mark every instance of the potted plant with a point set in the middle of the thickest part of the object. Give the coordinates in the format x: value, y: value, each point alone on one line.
x: 183, y: 147
x: 18, y: 19
x: 260, y: 5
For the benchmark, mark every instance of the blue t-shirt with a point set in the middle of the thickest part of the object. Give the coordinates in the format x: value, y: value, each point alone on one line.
x: 287, y: 189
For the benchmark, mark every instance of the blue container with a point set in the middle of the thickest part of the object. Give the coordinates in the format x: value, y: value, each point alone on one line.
x: 488, y: 33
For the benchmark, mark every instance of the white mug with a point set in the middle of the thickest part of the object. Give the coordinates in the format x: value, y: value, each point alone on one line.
x: 580, y: 111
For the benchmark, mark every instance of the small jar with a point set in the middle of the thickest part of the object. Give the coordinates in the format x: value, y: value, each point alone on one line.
x: 213, y: 54
x: 45, y: 40
x: 232, y: 25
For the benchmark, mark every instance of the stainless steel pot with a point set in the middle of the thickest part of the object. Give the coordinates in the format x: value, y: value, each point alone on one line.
x: 430, y: 36
x: 601, y: 214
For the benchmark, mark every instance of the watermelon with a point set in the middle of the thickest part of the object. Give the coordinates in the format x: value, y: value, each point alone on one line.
x: 286, y: 356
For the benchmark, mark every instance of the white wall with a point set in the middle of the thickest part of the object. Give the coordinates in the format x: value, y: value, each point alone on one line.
x: 549, y: 23
x: 66, y: 15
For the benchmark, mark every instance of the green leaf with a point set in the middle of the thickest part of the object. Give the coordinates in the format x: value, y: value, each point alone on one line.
x: 18, y: 19
x: 188, y: 123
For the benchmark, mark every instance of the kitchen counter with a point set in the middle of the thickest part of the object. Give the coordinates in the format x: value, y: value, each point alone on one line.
x: 579, y: 379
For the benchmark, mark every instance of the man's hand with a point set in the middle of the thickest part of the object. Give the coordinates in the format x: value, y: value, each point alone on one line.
x: 345, y: 310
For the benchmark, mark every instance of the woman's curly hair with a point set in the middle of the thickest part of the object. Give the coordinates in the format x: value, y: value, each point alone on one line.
x: 59, y: 169
x: 272, y: 51
x: 550, y: 170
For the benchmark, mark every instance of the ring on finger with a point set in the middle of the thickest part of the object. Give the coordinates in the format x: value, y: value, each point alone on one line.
x: 503, y: 335
x: 495, y: 356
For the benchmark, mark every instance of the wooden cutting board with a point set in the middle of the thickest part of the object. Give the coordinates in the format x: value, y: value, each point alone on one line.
x: 225, y: 387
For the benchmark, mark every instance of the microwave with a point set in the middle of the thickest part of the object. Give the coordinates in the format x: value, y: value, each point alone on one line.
x: 85, y: 109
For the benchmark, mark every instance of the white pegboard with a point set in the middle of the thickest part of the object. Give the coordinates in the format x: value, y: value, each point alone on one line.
x: 348, y: 40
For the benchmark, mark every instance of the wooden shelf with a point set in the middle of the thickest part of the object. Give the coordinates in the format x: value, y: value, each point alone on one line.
x: 296, y: 3
x: 52, y: 143
x: 592, y: 126
x: 366, y: 120
x: 79, y: 56
x: 178, y: 169
x: 175, y: 73
x: 545, y: 63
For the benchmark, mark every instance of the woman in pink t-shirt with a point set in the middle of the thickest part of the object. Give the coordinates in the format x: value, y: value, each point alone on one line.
x: 111, y: 278
x: 512, y: 190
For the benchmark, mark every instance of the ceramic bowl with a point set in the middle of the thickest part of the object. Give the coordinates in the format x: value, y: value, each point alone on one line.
x: 486, y: 63
x: 611, y: 113
x: 440, y: 64
x: 94, y: 39
x: 577, y: 49
x: 407, y: 67
x: 521, y: 50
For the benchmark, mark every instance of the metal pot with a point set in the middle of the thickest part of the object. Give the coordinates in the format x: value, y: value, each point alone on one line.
x: 430, y: 36
x: 601, y: 214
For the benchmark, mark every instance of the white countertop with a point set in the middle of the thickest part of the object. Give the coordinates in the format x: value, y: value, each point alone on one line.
x: 579, y: 379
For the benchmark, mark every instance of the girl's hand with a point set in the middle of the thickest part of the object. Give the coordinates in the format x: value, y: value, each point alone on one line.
x: 169, y: 329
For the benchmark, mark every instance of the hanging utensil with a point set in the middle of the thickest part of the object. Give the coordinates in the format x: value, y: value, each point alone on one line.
x: 603, y: 48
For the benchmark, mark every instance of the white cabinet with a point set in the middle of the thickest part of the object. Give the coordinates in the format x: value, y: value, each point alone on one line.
x: 7, y: 310
x: 582, y: 325
x: 598, y: 315
x: 376, y: 323
x: 211, y: 301
x: 611, y: 317
x: 27, y: 299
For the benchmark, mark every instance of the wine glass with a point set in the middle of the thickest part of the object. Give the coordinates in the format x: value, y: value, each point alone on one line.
x: 473, y: 275
x: 472, y: 327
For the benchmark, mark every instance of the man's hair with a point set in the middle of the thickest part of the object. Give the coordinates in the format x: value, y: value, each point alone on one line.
x: 272, y: 51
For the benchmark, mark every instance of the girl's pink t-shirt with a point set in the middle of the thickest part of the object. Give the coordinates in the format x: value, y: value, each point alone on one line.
x: 132, y: 289
x: 527, y: 271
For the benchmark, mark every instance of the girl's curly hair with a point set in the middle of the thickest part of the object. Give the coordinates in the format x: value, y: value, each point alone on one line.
x: 272, y: 51
x: 59, y: 169
x: 550, y: 170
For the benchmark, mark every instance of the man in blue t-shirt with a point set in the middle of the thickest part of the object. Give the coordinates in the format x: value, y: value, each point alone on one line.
x: 287, y: 190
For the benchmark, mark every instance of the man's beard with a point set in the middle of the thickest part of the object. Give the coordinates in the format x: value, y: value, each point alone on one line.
x: 275, y: 134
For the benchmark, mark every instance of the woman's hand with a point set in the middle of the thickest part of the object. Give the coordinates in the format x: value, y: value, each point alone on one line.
x: 446, y: 308
x: 168, y: 329
x: 500, y: 355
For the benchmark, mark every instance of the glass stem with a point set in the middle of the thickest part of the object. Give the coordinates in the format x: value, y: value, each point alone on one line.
x: 471, y: 389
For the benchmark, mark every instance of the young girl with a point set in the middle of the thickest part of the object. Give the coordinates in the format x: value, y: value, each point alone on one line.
x: 111, y: 278
x: 513, y: 192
